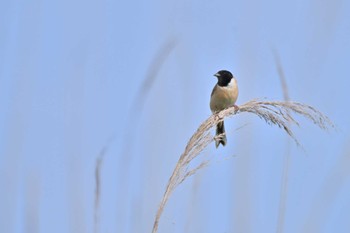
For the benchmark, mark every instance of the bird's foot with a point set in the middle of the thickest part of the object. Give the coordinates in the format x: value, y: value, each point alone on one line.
x: 218, y: 116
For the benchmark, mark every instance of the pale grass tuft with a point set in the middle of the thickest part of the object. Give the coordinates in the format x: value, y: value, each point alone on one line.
x: 273, y: 112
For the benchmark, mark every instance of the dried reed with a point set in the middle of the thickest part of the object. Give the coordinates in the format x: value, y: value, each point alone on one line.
x: 134, y: 114
x: 286, y: 162
x: 98, y: 166
x: 273, y: 112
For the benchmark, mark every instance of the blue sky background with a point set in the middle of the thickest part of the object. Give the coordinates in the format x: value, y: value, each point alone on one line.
x: 70, y: 71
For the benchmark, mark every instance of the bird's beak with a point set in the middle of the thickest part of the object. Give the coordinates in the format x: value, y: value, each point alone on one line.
x: 217, y: 75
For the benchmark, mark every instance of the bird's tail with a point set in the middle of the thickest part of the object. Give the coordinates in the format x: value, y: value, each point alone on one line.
x: 220, y: 134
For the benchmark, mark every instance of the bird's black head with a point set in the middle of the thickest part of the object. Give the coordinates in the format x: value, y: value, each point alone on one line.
x: 224, y: 77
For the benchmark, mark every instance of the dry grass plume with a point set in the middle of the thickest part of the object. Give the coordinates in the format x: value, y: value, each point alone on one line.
x: 273, y: 112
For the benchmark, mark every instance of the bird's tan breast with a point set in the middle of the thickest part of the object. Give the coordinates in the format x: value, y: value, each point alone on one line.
x: 223, y: 97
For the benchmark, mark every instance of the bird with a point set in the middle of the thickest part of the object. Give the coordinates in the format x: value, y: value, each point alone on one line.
x: 224, y: 95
